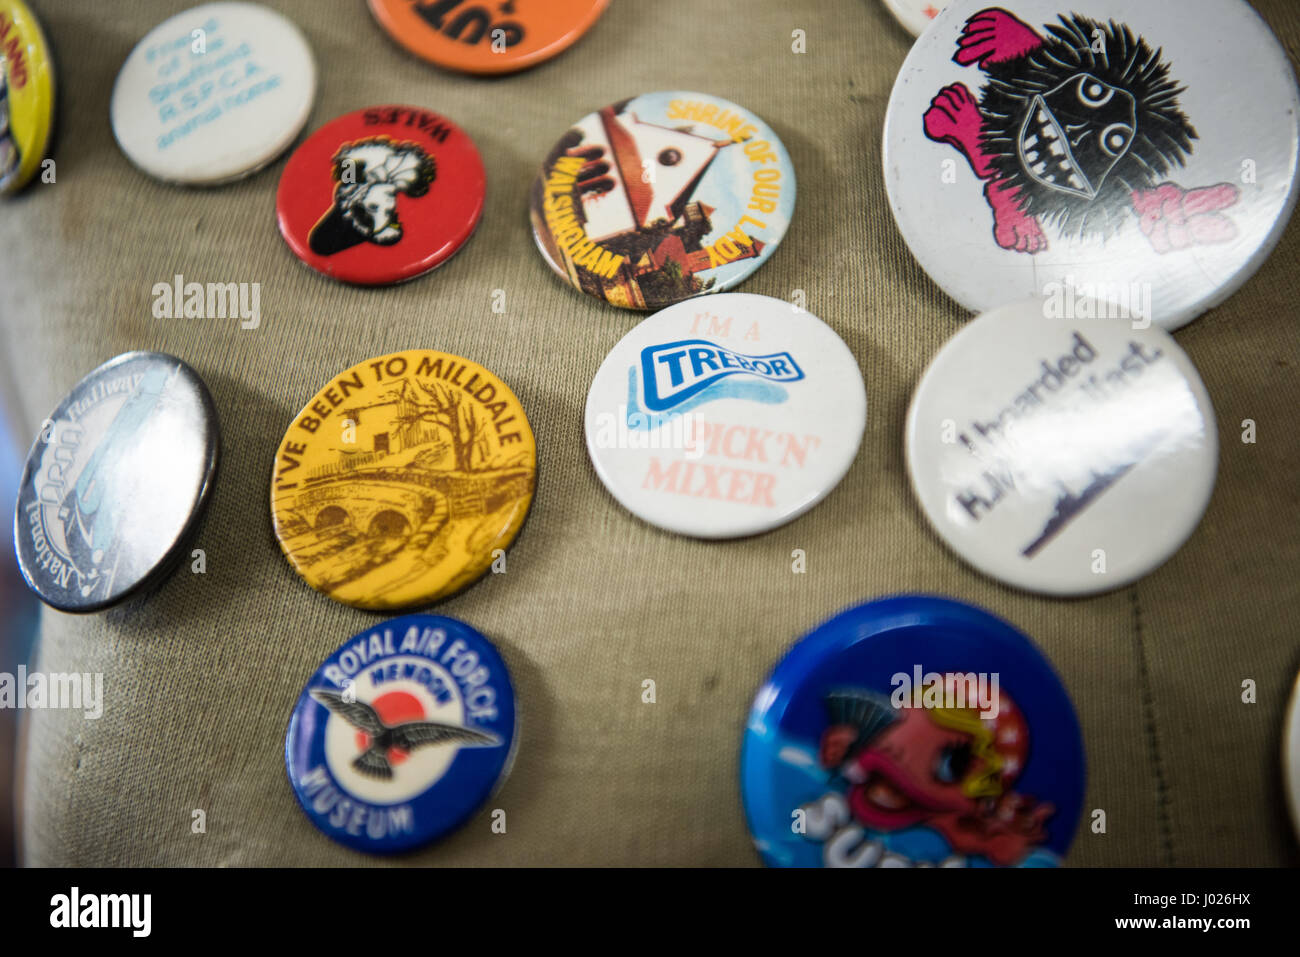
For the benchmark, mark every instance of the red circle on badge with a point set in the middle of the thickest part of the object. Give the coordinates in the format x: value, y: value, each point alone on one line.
x: 381, y: 195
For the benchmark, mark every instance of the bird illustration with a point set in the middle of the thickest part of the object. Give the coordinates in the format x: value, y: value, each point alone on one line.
x: 373, y: 762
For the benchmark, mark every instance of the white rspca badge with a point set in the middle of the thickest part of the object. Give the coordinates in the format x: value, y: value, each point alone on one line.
x: 213, y: 94
x: 402, y: 734
x: 1062, y: 456
x: 725, y: 416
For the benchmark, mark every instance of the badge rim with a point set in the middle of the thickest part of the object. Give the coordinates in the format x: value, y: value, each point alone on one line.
x: 269, y: 155
x: 1100, y: 584
x: 384, y: 19
x: 48, y: 74
x: 1291, y: 756
x: 863, y: 622
x: 770, y: 246
x: 391, y: 276
x: 787, y: 517
x: 162, y: 569
x: 502, y: 542
x: 445, y: 827
x: 969, y: 300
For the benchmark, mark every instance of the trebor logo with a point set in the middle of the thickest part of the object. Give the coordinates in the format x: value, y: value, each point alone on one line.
x: 675, y: 372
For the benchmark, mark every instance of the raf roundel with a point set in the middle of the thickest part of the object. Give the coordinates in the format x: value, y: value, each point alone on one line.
x: 26, y: 96
x: 662, y: 197
x: 1065, y: 456
x: 116, y: 482
x: 402, y: 734
x: 1140, y: 154
x: 487, y: 36
x: 403, y: 480
x: 912, y: 731
x: 381, y: 195
x: 214, y: 94
x: 727, y: 416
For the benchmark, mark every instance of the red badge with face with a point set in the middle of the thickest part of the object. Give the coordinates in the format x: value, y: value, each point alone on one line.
x: 381, y: 195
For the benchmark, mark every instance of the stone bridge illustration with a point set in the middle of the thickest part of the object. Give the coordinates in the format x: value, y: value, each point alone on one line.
x: 396, y: 502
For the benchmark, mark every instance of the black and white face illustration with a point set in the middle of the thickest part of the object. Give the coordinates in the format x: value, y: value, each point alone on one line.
x: 1073, y: 135
x: 370, y: 174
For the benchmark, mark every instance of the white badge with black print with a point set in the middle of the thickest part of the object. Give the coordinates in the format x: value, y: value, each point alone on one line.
x: 214, y: 94
x: 1143, y: 154
x: 726, y: 415
x: 915, y: 15
x: 1062, y: 456
x: 1291, y: 757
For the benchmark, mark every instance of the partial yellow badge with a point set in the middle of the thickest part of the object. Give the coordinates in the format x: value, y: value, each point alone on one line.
x: 26, y: 95
x: 403, y: 480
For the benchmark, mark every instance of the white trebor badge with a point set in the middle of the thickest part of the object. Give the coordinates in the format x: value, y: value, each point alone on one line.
x: 726, y: 415
x: 1140, y: 153
x: 214, y: 93
x: 1062, y: 456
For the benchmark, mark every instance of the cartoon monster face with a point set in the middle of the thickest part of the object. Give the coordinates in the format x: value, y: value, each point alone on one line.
x: 911, y: 770
x: 1073, y: 135
x: 911, y: 765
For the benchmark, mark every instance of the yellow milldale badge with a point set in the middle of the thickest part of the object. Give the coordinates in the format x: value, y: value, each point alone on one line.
x: 26, y: 95
x: 403, y: 480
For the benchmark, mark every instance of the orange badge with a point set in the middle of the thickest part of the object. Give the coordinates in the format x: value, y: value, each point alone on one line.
x: 403, y: 480
x: 487, y: 36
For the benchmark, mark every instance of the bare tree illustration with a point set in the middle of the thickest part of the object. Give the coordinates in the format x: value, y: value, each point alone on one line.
x: 445, y: 407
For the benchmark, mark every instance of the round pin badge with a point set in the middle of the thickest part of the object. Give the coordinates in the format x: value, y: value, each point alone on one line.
x: 26, y: 96
x: 402, y: 734
x: 1038, y: 148
x: 403, y: 480
x: 1291, y: 757
x: 725, y: 417
x: 213, y: 94
x: 115, y: 482
x: 1062, y: 456
x: 913, y: 731
x: 915, y: 15
x: 491, y: 36
x: 662, y: 197
x: 381, y: 195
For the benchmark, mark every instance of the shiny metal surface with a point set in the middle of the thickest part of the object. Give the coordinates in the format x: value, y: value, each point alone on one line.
x: 115, y: 482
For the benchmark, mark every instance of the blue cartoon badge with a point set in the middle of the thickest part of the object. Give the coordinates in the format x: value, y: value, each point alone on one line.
x: 913, y: 731
x: 402, y: 734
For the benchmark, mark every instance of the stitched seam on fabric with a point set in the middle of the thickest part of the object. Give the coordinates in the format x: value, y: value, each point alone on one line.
x: 1164, y: 817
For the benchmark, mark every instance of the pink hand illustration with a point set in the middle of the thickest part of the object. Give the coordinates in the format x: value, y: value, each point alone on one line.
x: 1174, y: 218
x: 995, y: 36
x: 1012, y: 227
x: 954, y: 118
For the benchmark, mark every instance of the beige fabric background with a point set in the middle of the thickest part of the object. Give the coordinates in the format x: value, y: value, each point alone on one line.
x: 201, y: 676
